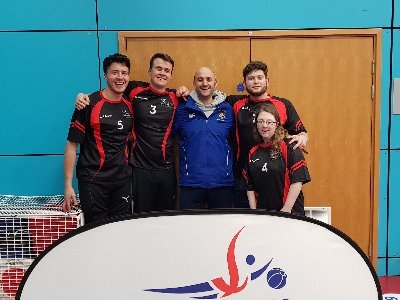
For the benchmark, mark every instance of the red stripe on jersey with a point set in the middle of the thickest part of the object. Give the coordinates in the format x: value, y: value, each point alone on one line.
x: 238, y: 105
x: 169, y: 128
x: 78, y: 125
x: 95, y: 124
x: 283, y: 147
x: 279, y: 105
x: 244, y: 174
x: 132, y: 94
x: 298, y: 125
x: 126, y: 154
x: 268, y: 98
x: 281, y: 108
x: 252, y: 150
x: 265, y: 146
x: 136, y: 91
x: 133, y: 134
x: 298, y: 165
x: 129, y: 104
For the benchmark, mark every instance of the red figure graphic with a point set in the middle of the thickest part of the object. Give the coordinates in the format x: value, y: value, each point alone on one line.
x: 233, y: 286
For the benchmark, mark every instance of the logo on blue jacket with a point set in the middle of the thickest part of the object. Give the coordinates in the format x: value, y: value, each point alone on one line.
x: 222, y: 115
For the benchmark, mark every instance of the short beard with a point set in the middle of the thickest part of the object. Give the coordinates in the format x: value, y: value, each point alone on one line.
x: 257, y: 94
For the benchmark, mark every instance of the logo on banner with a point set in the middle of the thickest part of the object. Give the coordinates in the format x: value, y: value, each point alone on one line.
x: 236, y: 283
x: 391, y: 297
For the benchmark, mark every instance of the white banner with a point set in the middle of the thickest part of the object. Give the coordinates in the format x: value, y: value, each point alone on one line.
x: 203, y: 255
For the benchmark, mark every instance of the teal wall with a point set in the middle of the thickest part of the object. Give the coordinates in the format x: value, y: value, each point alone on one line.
x: 50, y: 50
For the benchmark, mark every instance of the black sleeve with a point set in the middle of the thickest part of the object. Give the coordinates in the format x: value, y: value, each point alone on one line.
x: 232, y: 99
x: 293, y: 125
x: 182, y: 100
x: 297, y: 166
x: 77, y: 128
x: 132, y: 85
x: 246, y: 174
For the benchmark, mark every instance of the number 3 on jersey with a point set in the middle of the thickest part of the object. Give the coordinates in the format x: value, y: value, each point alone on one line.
x: 153, y: 109
x: 264, y: 168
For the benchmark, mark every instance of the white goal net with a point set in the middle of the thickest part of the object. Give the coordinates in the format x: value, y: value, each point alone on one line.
x: 28, y: 225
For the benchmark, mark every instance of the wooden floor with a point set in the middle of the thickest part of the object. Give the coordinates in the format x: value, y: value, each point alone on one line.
x: 390, y: 284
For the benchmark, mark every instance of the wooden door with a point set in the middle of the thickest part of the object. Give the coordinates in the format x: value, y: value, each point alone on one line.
x: 223, y: 56
x: 329, y: 81
x: 327, y: 75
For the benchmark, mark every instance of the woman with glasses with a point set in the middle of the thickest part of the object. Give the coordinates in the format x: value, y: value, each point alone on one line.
x: 275, y: 172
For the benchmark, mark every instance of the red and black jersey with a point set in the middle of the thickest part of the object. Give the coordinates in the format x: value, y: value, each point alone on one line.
x: 244, y: 109
x: 104, y: 130
x: 153, y: 117
x: 270, y: 175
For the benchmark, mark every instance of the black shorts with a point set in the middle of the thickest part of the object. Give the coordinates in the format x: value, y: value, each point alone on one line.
x: 154, y: 190
x: 105, y: 199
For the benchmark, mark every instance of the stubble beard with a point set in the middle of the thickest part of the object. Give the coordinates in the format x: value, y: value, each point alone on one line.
x: 257, y: 94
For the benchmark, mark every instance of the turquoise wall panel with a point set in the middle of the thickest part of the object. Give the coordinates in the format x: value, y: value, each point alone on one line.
x: 394, y: 204
x: 381, y: 267
x: 393, y: 266
x: 32, y: 175
x: 108, y: 45
x: 41, y: 74
x: 47, y: 15
x: 382, y: 213
x: 225, y: 14
x: 397, y: 13
x: 395, y: 128
x: 385, y: 95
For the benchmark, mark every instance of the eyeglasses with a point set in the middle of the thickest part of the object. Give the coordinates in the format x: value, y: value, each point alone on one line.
x: 266, y: 122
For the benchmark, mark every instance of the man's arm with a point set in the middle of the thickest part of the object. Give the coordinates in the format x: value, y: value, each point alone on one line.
x: 295, y: 127
x: 182, y: 91
x: 232, y: 99
x: 82, y: 100
x: 69, y: 165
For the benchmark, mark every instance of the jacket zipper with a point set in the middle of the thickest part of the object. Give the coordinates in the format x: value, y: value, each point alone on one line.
x: 186, y: 166
x: 227, y: 163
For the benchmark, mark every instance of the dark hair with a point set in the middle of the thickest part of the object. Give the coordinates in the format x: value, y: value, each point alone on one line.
x: 116, y: 58
x: 280, y: 132
x: 163, y: 56
x: 253, y: 66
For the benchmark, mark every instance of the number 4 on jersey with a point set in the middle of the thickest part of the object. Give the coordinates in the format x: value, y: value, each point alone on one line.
x: 264, y: 168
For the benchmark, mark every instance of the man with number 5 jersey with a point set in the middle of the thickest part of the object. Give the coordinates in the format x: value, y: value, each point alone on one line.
x: 104, y: 130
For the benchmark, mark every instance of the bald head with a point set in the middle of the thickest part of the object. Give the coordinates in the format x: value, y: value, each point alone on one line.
x: 204, y: 83
x: 204, y: 72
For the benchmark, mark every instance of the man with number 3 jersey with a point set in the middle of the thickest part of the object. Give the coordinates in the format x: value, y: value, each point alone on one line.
x: 154, y: 105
